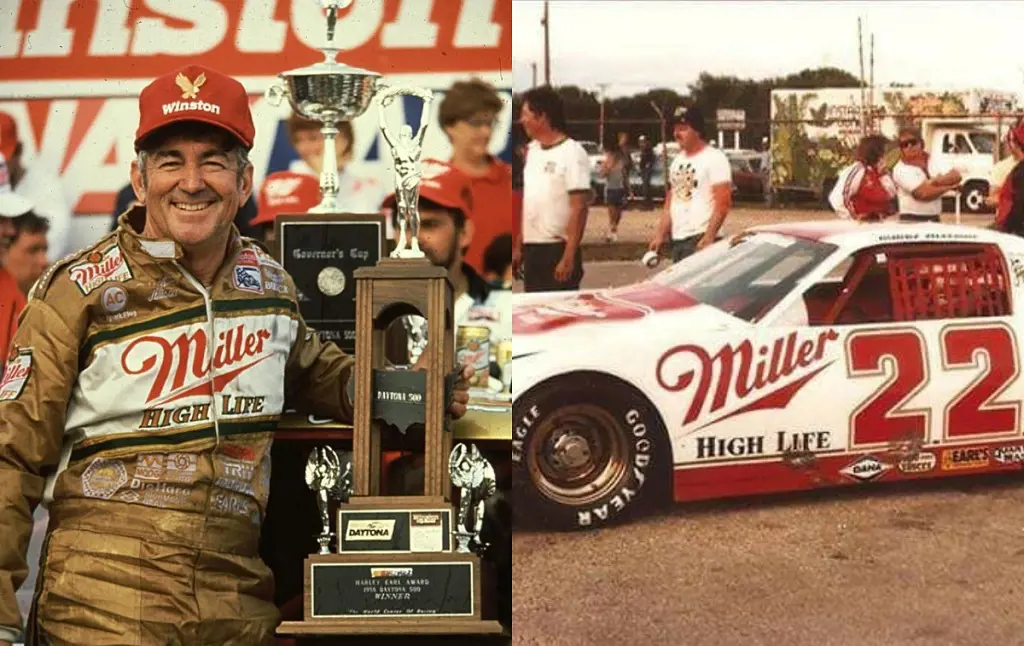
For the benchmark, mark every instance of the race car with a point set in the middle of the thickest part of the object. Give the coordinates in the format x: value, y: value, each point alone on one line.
x: 788, y: 357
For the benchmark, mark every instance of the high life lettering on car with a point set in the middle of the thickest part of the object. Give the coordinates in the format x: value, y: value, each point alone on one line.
x: 743, y: 371
x: 77, y: 69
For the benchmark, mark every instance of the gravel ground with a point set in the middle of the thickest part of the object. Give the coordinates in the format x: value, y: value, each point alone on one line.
x: 919, y: 564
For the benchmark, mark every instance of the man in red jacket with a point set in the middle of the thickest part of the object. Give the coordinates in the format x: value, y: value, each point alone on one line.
x: 12, y: 300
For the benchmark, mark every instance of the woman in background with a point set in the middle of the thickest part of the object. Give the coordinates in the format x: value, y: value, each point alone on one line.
x: 864, y: 190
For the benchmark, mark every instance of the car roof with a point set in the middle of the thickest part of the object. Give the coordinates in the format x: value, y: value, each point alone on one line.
x: 851, y: 234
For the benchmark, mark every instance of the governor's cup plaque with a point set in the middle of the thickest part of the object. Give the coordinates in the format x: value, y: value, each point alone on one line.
x: 400, y: 565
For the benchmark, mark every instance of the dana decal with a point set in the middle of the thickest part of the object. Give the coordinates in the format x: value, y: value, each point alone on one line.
x: 247, y: 276
x: 742, y: 371
x: 16, y: 375
x: 99, y: 268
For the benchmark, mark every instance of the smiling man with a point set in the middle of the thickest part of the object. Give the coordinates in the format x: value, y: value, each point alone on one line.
x: 139, y: 398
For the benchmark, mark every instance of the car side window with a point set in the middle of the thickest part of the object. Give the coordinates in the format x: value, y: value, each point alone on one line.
x: 912, y: 283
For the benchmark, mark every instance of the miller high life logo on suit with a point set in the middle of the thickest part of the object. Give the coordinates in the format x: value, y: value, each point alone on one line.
x: 98, y: 268
x: 16, y: 375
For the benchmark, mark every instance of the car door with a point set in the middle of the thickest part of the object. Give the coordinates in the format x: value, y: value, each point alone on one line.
x: 930, y: 355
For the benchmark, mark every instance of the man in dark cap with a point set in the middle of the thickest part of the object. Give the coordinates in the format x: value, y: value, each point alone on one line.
x: 700, y: 189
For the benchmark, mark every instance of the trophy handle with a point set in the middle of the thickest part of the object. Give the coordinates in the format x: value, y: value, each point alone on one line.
x: 275, y: 94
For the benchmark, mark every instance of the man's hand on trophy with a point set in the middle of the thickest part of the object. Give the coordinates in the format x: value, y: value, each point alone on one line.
x: 460, y: 393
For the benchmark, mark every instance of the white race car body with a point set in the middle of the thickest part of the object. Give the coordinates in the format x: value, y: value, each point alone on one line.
x: 800, y: 393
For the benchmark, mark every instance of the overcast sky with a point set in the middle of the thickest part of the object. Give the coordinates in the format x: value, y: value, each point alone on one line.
x: 637, y: 44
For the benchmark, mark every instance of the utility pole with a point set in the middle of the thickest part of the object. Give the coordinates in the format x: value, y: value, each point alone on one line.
x: 534, y: 66
x: 863, y: 99
x: 547, y: 52
x: 600, y: 123
x: 871, y: 85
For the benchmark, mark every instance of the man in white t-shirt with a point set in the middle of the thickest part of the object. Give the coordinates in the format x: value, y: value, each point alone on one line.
x: 920, y: 183
x: 556, y: 194
x: 999, y: 173
x: 700, y: 189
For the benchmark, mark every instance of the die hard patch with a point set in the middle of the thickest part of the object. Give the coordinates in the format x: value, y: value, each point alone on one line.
x: 99, y: 268
x: 102, y: 478
x: 16, y: 374
x: 246, y: 274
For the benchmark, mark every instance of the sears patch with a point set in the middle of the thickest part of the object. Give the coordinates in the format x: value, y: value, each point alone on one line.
x: 99, y: 268
x: 16, y: 374
x: 246, y: 275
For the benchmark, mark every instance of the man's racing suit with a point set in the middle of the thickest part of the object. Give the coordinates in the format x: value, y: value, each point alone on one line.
x: 144, y: 405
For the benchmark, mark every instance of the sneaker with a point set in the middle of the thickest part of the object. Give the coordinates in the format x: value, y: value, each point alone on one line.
x: 612, y: 237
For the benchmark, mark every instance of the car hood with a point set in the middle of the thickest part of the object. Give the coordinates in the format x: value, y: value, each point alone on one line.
x: 539, y: 319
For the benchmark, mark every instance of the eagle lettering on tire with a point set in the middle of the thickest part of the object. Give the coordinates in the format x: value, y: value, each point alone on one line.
x: 586, y: 449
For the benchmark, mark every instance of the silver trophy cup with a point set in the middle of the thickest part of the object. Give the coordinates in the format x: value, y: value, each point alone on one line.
x: 330, y: 92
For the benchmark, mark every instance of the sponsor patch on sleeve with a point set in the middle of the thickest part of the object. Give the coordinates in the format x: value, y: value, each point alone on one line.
x: 246, y: 274
x: 16, y: 374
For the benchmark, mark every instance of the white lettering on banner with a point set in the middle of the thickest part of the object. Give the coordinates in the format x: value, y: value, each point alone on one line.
x: 208, y: 22
x: 475, y: 27
x: 413, y: 26
x: 51, y: 36
x: 110, y: 37
x: 10, y: 35
x: 355, y: 27
x: 258, y: 32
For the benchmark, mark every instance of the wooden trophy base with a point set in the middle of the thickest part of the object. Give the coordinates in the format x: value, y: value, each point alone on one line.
x: 392, y: 594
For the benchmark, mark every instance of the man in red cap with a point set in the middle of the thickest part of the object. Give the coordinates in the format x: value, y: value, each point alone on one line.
x: 284, y: 192
x: 40, y: 186
x: 139, y: 398
x: 12, y: 300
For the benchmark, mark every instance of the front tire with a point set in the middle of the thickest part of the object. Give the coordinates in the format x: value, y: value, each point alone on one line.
x: 587, y: 450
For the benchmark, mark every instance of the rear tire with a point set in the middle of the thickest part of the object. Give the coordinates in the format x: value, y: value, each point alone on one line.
x: 588, y: 450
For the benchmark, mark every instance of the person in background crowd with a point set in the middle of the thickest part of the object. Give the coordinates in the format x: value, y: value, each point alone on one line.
x: 468, y: 114
x: 12, y: 300
x: 498, y: 262
x: 519, y: 158
x: 700, y: 193
x: 355, y: 194
x: 647, y: 161
x: 283, y: 192
x: 26, y: 257
x: 1010, y: 212
x: 556, y: 195
x: 615, y: 169
x: 1000, y: 172
x: 38, y: 185
x: 920, y: 185
x: 126, y: 199
x: 863, y: 190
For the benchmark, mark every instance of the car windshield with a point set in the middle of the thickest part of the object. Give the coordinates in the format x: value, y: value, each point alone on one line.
x: 745, y: 276
x: 983, y: 142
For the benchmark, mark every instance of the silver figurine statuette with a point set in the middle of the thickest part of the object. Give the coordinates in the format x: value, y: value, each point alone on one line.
x: 475, y: 478
x: 325, y: 477
x: 330, y: 92
x: 406, y: 151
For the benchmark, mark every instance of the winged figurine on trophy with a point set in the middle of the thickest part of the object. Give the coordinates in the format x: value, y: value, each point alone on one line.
x: 476, y: 480
x: 325, y: 477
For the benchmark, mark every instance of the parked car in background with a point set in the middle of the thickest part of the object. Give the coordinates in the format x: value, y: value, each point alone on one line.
x: 749, y: 174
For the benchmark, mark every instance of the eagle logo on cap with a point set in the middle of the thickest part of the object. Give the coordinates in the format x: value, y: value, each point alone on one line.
x: 189, y: 89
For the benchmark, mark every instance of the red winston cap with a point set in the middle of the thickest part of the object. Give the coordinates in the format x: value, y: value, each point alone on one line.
x: 286, y: 192
x: 443, y: 185
x: 195, y: 93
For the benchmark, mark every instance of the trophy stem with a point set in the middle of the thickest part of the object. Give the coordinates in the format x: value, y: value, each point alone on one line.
x: 329, y: 172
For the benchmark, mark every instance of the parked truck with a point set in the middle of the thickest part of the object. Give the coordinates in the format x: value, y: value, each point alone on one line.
x: 814, y: 133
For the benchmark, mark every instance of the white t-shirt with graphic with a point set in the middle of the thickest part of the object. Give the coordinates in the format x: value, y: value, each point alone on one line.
x: 549, y: 175
x: 692, y: 178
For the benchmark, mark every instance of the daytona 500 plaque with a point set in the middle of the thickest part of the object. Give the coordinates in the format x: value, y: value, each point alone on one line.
x: 321, y: 252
